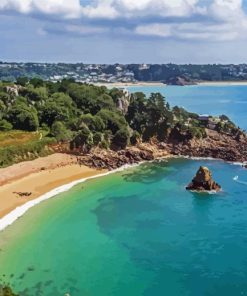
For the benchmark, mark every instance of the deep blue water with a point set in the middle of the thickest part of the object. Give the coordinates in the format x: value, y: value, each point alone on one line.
x: 214, y: 100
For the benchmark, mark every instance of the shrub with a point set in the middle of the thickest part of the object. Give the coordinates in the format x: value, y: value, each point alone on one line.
x: 104, y: 144
x: 97, y: 138
x: 135, y: 138
x: 5, y: 125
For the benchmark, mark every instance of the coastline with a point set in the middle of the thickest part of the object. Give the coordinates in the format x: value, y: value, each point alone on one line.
x: 54, y: 181
x: 45, y: 184
x: 160, y: 84
x: 41, y: 181
x: 222, y: 83
x: 129, y: 84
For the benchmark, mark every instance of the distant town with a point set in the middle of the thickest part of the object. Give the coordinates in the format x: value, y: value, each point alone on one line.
x: 120, y: 73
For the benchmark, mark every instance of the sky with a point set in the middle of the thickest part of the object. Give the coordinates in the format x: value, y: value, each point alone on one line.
x: 124, y: 31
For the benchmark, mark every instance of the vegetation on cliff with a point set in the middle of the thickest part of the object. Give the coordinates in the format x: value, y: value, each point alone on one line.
x: 87, y: 116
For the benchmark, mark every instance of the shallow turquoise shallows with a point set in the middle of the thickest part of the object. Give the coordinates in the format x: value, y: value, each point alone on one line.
x: 214, y: 100
x: 135, y: 232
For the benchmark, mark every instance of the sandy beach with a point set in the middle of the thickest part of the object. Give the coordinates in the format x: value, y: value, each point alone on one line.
x: 159, y: 84
x: 128, y: 84
x: 38, y: 177
x: 222, y: 83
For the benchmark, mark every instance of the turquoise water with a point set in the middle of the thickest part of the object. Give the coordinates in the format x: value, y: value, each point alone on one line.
x: 139, y: 232
x: 214, y: 100
x: 136, y: 232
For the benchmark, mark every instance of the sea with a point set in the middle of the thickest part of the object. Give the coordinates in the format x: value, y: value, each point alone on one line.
x: 138, y: 232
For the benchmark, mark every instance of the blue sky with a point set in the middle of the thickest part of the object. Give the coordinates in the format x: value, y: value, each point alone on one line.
x: 124, y: 31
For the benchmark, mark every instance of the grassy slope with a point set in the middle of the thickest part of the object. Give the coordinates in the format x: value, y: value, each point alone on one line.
x: 16, y: 146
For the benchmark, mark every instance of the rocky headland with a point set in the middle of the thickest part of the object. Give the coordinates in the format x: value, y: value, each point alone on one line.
x: 214, y: 145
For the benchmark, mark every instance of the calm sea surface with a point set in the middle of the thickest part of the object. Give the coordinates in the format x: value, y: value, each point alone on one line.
x: 214, y: 100
x: 138, y: 232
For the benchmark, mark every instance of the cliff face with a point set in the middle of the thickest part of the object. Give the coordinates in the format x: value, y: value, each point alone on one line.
x: 215, y: 145
x: 203, y: 181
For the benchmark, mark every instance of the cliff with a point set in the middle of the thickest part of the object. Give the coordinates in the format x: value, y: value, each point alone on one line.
x: 215, y: 145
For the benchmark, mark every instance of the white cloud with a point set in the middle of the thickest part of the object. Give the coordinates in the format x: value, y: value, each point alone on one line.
x: 130, y: 8
x: 103, y: 8
x: 226, y: 21
x: 220, y: 19
x: 64, y: 8
x: 158, y: 7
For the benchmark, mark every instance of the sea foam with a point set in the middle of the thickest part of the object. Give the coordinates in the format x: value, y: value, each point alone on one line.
x: 21, y: 210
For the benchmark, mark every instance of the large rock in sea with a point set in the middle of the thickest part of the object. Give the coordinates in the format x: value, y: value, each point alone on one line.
x: 203, y: 181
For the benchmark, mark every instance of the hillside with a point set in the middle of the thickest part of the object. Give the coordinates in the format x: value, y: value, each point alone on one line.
x: 39, y: 117
x: 92, y: 73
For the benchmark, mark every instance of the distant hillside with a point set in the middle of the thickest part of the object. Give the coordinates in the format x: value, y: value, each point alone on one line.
x: 91, y: 73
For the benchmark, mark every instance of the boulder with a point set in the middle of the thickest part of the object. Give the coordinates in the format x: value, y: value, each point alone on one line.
x: 203, y: 181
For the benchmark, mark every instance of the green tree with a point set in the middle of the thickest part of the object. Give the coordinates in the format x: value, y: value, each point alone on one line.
x: 113, y: 121
x: 94, y: 123
x: 57, y: 108
x: 121, y: 139
x: 36, y: 82
x: 60, y: 132
x: 23, y: 117
x: 23, y: 81
x: 83, y: 139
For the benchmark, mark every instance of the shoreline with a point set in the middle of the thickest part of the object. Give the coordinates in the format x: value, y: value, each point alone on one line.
x: 160, y: 84
x: 222, y: 83
x: 129, y: 84
x: 45, y: 184
x: 24, y: 183
x: 16, y: 212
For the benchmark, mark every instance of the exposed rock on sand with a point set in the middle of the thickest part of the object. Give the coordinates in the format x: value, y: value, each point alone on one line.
x: 203, y: 181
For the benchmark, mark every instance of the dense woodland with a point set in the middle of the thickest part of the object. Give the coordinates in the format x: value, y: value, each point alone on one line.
x: 86, y: 116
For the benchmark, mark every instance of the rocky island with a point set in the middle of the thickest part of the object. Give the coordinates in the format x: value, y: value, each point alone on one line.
x: 203, y: 181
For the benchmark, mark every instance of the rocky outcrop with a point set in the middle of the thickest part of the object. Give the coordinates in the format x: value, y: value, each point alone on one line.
x: 109, y: 159
x: 180, y: 81
x: 214, y: 145
x: 123, y: 104
x: 203, y: 181
x: 13, y: 90
x: 123, y: 101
